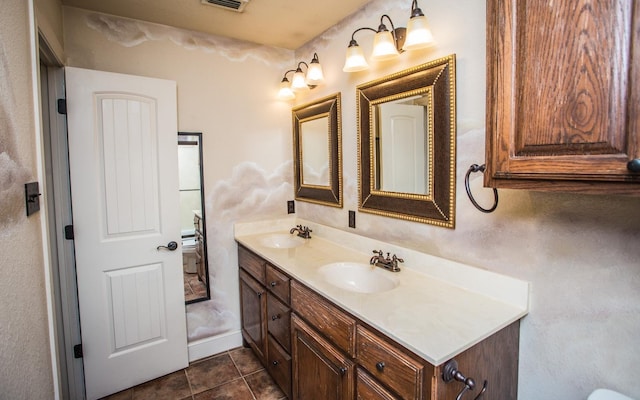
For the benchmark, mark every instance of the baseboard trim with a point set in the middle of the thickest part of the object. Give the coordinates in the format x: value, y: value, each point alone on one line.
x: 213, y: 345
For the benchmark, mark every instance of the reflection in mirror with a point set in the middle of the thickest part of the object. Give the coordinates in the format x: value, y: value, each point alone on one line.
x: 192, y: 217
x: 407, y: 144
x: 401, y: 149
x: 314, y: 137
x: 317, y: 151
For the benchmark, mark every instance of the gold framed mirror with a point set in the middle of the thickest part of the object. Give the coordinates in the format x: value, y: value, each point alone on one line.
x: 407, y: 144
x: 317, y: 151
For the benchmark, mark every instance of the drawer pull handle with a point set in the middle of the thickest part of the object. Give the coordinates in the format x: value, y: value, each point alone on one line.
x: 275, y: 317
x: 273, y: 284
x: 275, y: 363
x: 380, y: 366
x: 634, y: 165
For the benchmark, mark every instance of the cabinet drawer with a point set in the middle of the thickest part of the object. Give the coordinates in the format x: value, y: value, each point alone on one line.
x: 279, y: 322
x: 326, y: 318
x: 279, y: 366
x: 251, y: 263
x: 278, y: 283
x: 367, y: 388
x: 390, y: 365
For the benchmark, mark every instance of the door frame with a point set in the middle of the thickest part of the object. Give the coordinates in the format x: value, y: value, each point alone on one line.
x: 64, y: 299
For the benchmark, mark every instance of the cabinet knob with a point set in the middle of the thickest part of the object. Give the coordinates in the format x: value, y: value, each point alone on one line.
x: 275, y: 317
x: 380, y: 366
x: 259, y: 294
x: 273, y: 284
x: 343, y: 371
x: 275, y: 363
x: 634, y: 165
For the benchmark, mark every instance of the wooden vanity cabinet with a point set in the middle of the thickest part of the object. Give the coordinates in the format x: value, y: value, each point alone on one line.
x: 266, y: 315
x: 563, y: 96
x: 315, y: 350
x: 199, y: 238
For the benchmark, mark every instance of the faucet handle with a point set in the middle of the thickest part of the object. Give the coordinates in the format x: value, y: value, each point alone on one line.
x: 378, y: 252
x: 397, y: 259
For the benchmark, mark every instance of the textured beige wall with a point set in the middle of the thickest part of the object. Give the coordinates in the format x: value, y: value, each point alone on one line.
x: 25, y: 367
x: 49, y: 17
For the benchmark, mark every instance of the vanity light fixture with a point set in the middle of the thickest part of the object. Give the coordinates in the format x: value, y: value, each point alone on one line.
x: 389, y: 44
x: 301, y: 81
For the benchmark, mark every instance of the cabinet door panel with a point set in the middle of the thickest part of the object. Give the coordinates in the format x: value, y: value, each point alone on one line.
x: 253, y: 304
x: 320, y: 371
x: 562, y: 92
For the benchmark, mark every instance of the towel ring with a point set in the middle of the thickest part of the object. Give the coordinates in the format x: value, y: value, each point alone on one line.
x: 479, y: 168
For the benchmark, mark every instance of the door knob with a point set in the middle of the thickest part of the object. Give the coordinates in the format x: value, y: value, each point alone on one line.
x: 171, y: 246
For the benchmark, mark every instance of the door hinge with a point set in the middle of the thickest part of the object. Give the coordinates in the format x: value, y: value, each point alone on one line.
x: 77, y: 351
x: 68, y: 232
x: 62, y: 106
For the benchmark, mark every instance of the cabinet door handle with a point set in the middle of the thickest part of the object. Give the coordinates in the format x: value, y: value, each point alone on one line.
x: 634, y: 165
x: 380, y: 366
x: 275, y: 363
x: 275, y: 317
x: 273, y: 284
x: 343, y: 371
x: 259, y: 294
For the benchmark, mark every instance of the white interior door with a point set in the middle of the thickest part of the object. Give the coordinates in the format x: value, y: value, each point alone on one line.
x: 403, y: 149
x: 124, y: 189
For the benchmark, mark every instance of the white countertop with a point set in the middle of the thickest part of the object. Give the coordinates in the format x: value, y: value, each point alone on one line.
x: 439, y: 308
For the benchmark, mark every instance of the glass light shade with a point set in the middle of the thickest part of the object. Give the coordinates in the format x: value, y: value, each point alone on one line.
x: 418, y: 34
x: 314, y: 74
x: 285, y: 92
x: 384, y: 46
x: 354, y: 60
x: 299, y: 82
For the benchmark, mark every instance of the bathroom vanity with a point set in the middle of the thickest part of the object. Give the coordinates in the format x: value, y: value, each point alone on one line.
x: 390, y: 338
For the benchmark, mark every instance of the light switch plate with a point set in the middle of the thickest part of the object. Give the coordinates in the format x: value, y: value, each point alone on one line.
x: 291, y: 207
x: 352, y: 219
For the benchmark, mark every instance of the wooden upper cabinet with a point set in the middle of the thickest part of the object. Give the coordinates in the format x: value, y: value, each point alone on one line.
x: 563, y: 95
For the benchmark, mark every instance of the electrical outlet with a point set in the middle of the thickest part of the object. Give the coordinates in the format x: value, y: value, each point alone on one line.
x: 291, y: 207
x: 352, y: 219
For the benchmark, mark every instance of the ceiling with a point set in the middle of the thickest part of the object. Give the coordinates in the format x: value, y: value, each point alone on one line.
x: 282, y: 23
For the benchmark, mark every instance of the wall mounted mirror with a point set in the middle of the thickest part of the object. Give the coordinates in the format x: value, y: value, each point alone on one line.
x: 195, y: 265
x: 317, y: 151
x: 407, y: 144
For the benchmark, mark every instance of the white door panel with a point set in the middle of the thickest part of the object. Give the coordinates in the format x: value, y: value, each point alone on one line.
x: 124, y: 189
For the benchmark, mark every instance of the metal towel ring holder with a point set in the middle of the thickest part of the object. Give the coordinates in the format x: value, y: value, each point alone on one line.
x: 479, y: 168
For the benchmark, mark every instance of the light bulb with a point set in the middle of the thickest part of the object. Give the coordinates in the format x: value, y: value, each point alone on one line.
x: 285, y: 92
x: 354, y: 60
x: 314, y: 73
x: 384, y: 46
x: 418, y: 33
x: 298, y: 82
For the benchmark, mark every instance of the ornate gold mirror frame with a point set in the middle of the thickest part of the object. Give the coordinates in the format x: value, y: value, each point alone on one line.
x: 435, y: 83
x: 326, y: 190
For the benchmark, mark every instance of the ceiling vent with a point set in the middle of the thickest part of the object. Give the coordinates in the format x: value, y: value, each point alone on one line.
x: 233, y: 5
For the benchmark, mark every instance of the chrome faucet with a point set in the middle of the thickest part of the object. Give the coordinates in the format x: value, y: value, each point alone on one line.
x: 390, y: 263
x: 303, y: 231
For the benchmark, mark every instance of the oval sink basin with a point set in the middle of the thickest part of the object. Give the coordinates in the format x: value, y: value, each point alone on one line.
x: 281, y: 241
x: 358, y: 277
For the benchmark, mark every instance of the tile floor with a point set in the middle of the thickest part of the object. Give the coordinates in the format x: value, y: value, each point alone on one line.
x: 194, y: 288
x: 235, y: 375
